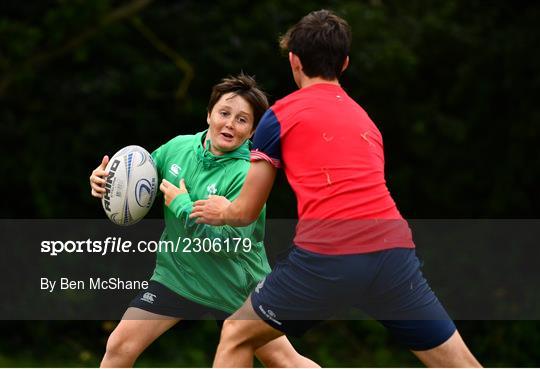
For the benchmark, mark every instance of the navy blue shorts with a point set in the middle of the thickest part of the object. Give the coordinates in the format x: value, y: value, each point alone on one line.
x: 158, y: 299
x: 307, y: 288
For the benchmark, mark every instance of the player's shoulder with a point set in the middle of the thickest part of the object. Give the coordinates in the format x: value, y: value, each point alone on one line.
x: 180, y: 140
x: 180, y: 145
x: 297, y: 100
x: 288, y: 99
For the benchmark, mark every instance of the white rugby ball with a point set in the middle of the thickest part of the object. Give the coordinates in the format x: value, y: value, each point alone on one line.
x: 131, y: 185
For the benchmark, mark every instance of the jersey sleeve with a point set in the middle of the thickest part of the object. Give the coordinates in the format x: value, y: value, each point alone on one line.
x: 267, y: 140
x: 157, y: 156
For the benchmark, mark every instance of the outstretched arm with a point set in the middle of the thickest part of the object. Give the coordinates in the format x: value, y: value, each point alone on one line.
x: 246, y: 208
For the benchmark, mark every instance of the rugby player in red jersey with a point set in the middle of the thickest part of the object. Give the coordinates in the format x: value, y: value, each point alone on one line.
x: 352, y: 246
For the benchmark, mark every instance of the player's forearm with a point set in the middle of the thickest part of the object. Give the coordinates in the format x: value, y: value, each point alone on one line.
x: 239, y: 214
x: 245, y: 209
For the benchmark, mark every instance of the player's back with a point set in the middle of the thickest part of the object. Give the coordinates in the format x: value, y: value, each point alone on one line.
x: 333, y: 157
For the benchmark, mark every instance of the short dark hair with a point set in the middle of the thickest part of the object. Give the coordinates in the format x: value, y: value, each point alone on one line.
x: 244, y: 86
x: 322, y: 41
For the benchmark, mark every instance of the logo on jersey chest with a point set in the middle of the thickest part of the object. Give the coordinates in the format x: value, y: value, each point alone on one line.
x: 212, y: 189
x: 175, y: 170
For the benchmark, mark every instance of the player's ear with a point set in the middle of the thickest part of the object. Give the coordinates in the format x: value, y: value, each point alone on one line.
x: 345, y: 64
x: 291, y: 59
x: 295, y: 62
x: 252, y: 129
x: 208, y: 118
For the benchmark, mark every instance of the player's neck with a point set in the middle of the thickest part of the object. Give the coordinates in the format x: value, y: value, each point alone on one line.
x: 306, y: 81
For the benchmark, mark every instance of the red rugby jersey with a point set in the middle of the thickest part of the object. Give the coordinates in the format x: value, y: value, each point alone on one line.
x: 332, y: 154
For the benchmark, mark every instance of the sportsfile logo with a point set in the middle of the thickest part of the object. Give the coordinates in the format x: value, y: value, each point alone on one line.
x: 148, y: 297
x: 109, y: 183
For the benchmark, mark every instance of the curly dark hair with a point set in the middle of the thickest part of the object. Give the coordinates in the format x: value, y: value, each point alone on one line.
x: 244, y: 86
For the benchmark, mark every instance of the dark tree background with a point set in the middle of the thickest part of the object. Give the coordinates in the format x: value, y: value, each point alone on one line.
x: 453, y: 86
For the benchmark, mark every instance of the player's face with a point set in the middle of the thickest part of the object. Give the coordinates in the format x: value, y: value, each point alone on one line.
x: 230, y: 123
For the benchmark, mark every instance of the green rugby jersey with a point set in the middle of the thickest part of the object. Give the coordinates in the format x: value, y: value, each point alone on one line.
x: 221, y: 279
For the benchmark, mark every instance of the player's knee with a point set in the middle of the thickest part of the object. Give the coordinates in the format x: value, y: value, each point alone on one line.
x: 234, y: 334
x: 121, y: 345
x: 230, y: 333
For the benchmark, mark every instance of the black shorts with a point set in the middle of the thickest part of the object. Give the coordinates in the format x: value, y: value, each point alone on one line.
x: 158, y: 299
x: 306, y: 288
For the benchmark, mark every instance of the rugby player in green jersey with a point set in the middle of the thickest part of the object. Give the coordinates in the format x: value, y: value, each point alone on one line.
x: 195, y: 281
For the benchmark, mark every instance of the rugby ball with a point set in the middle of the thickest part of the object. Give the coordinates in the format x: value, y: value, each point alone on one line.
x: 131, y: 185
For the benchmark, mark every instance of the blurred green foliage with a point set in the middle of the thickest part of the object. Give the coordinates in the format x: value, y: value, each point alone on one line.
x: 452, y: 85
x: 192, y: 344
